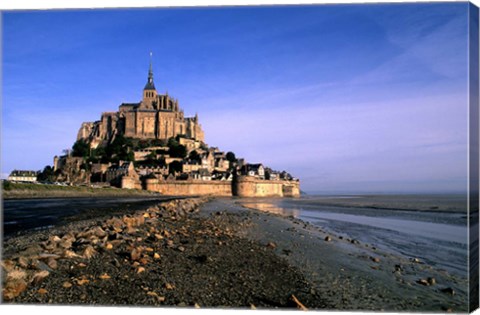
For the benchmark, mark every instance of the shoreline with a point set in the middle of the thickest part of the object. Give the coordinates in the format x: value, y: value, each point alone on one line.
x: 73, y: 192
x: 218, y: 239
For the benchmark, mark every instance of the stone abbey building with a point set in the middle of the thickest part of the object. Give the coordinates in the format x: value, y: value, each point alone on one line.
x: 156, y: 116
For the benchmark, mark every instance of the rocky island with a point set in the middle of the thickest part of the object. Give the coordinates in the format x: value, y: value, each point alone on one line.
x: 151, y: 145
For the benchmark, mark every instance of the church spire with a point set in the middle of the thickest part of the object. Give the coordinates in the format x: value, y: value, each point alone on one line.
x: 150, y: 85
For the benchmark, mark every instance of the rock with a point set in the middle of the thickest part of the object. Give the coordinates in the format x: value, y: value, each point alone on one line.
x: 67, y: 285
x: 115, y: 224
x: 82, y: 281
x: 169, y: 286
x: 135, y: 254
x: 16, y: 274
x: 156, y: 256
x: 69, y: 254
x: 98, y: 232
x: 447, y: 309
x: 130, y: 230
x: 416, y: 260
x: 398, y: 268
x: 66, y: 244
x: 23, y: 262
x: 105, y: 276
x: 39, y: 265
x: 140, y: 270
x: 39, y: 276
x: 54, y: 239
x: 423, y: 282
x: 48, y: 256
x: 375, y: 259
x: 52, y: 263
x: 109, y: 246
x: 8, y: 265
x: 42, y: 291
x: 271, y: 245
x: 328, y: 239
x: 13, y: 288
x: 448, y: 291
x: 89, y: 252
x: 431, y: 281
x: 181, y: 248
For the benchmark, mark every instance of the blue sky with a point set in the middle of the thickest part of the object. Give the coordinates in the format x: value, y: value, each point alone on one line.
x: 349, y: 98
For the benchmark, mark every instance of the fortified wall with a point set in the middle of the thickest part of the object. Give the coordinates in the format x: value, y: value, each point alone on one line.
x: 243, y: 186
x: 189, y: 187
x: 246, y: 186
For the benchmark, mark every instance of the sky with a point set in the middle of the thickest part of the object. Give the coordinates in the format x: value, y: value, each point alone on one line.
x: 356, y: 98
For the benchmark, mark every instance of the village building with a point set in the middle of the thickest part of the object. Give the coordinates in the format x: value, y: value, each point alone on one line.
x: 253, y: 170
x: 23, y: 176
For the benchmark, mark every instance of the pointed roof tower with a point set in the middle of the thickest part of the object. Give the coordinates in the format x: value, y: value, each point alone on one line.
x: 150, y: 85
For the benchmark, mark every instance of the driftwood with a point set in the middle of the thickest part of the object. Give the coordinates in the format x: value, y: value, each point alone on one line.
x: 299, y: 304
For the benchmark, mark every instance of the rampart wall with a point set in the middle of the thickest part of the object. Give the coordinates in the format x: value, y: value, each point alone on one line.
x: 242, y: 186
x: 190, y: 187
x: 251, y: 187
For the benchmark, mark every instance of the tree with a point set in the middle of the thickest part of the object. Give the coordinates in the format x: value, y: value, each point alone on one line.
x: 175, y: 167
x: 231, y: 157
x: 47, y: 174
x: 80, y: 149
x: 176, y: 149
x: 194, y: 156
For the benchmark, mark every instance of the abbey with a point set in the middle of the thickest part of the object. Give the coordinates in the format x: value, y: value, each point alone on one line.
x: 156, y: 116
x: 151, y: 145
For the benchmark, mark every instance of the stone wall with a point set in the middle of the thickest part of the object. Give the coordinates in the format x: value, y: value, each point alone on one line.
x: 190, y: 187
x: 242, y: 187
x: 245, y: 186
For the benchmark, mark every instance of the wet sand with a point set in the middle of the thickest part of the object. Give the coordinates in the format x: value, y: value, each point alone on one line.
x: 223, y: 255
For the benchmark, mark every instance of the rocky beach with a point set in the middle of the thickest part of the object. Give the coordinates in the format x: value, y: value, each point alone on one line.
x: 214, y: 253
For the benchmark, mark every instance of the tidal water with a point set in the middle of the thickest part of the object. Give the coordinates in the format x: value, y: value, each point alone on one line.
x: 432, y: 228
x: 21, y: 215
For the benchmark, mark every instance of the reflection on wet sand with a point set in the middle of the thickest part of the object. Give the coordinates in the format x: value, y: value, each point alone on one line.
x: 269, y: 207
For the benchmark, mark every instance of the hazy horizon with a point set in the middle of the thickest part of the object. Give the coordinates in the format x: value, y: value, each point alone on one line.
x: 352, y: 97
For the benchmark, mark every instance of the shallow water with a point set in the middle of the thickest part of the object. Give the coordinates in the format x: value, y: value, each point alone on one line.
x: 430, y: 228
x: 21, y: 215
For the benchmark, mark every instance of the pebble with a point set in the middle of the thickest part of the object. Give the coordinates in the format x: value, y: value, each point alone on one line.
x: 39, y: 276
x: 448, y: 291
x: 52, y: 263
x: 23, y: 262
x: 42, y: 291
x: 328, y: 239
x: 423, y: 282
x: 13, y: 288
x: 67, y: 285
x: 271, y: 245
x: 89, y: 252
x: 375, y: 259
